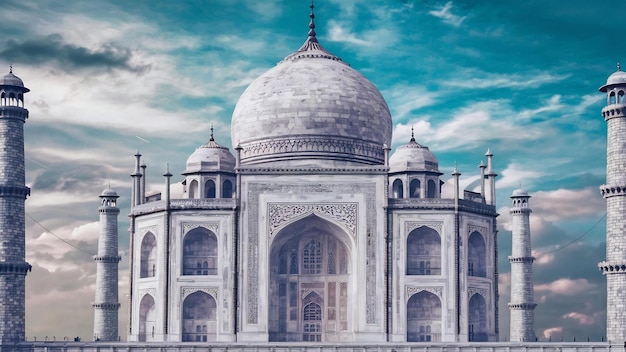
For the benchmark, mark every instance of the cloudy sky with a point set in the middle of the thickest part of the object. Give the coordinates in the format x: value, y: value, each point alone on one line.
x: 519, y: 77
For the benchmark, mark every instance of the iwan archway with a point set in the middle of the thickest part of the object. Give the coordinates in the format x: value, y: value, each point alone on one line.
x: 310, y: 281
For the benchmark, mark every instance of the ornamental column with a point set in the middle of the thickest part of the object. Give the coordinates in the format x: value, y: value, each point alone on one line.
x: 106, y: 304
x: 13, y: 193
x: 522, y: 305
x: 614, y: 191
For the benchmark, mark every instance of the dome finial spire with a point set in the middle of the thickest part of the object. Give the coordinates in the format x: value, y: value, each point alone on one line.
x: 619, y: 67
x: 212, y: 139
x: 412, y: 135
x: 312, y: 33
x: 11, y: 68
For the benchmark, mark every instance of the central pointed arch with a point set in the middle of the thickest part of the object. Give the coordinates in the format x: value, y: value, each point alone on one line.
x: 310, y: 273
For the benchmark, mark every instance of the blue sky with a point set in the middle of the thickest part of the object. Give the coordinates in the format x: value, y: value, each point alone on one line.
x: 520, y: 78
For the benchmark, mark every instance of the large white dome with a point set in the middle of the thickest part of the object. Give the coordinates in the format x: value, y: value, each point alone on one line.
x: 311, y: 106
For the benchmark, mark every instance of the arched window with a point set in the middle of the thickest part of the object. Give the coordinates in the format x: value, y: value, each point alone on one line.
x: 200, y: 252
x: 477, y: 256
x: 612, y: 98
x: 193, y: 189
x: 209, y: 188
x: 397, y: 188
x: 423, y: 318
x: 312, y: 257
x: 432, y: 189
x: 423, y: 256
x: 148, y: 256
x: 199, y: 318
x: 415, y: 189
x: 147, y: 319
x: 227, y: 189
x: 312, y: 316
x: 620, y: 97
x: 477, y: 328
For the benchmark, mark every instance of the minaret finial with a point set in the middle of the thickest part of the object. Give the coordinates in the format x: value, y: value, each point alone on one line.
x: 412, y: 134
x: 11, y: 68
x: 312, y: 33
x: 619, y: 67
x: 212, y: 139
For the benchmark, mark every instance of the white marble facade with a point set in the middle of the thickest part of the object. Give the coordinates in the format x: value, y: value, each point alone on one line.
x: 310, y: 230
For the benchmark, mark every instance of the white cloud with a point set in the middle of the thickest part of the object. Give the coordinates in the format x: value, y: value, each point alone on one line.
x: 404, y: 100
x: 565, y: 287
x: 474, y: 79
x: 547, y: 333
x: 516, y: 175
x: 445, y: 13
x: 582, y: 319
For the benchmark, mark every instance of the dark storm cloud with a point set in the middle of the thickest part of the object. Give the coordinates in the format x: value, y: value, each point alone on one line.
x: 69, y: 57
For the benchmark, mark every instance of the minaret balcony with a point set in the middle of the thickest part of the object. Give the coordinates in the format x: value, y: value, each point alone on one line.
x: 612, y: 267
x: 521, y: 259
x: 613, y: 111
x: 522, y: 306
x: 613, y: 190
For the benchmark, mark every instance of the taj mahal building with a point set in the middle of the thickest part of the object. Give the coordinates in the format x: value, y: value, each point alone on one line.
x: 311, y: 230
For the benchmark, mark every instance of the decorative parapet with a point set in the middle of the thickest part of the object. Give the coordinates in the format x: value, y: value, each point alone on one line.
x: 185, y: 204
x: 441, y: 204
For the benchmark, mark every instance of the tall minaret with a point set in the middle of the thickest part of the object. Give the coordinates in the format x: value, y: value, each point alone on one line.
x: 522, y: 303
x: 13, y: 193
x: 106, y: 304
x: 614, y: 191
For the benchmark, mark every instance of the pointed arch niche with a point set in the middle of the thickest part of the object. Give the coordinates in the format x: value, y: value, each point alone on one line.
x: 477, y: 328
x: 310, y: 272
x: 147, y: 318
x: 423, y: 318
x: 200, y: 252
x: 423, y: 254
x: 148, y: 256
x: 199, y: 318
x: 477, y: 255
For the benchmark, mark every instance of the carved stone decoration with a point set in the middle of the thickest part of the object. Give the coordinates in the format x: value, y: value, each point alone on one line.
x: 344, y: 213
x: 305, y: 292
x: 481, y: 291
x: 412, y: 225
x: 475, y: 228
x: 252, y: 239
x: 186, y: 291
x: 150, y: 291
x: 411, y: 290
x: 144, y: 230
x: 211, y: 226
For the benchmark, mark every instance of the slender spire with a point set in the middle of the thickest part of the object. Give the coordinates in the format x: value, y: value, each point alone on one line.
x: 11, y: 67
x: 619, y: 67
x: 212, y: 139
x: 312, y: 33
x: 412, y: 135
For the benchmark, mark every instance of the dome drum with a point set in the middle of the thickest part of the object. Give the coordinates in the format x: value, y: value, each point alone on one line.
x: 318, y: 147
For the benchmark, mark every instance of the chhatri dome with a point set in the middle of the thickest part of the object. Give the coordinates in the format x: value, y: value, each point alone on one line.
x: 12, y: 80
x: 311, y: 107
x: 413, y: 157
x: 210, y: 157
x: 618, y: 77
